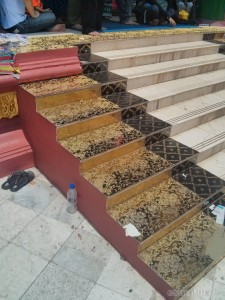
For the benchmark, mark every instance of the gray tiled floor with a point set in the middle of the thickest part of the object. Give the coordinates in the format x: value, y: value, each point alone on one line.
x: 45, y: 253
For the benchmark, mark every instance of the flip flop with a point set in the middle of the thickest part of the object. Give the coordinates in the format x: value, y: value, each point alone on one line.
x: 12, y: 179
x: 22, y: 181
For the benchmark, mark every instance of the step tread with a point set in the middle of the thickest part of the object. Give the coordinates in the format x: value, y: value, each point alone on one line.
x: 204, y: 136
x: 156, y: 207
x: 190, y: 109
x: 100, y: 140
x: 215, y: 164
x: 59, y: 85
x: 188, y: 252
x: 125, y: 171
x: 79, y: 110
x: 172, y: 87
x: 168, y: 66
x: 148, y: 50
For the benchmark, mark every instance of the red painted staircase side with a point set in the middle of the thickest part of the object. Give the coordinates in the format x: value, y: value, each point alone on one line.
x: 41, y: 65
x: 62, y: 168
x: 15, y: 152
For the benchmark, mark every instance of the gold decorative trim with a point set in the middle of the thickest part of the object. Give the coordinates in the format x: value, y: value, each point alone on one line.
x: 8, y: 105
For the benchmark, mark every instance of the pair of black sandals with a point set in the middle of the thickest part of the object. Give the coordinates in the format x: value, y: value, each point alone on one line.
x: 18, y: 180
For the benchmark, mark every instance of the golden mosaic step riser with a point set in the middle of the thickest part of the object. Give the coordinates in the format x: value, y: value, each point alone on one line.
x: 111, y: 154
x: 67, y: 98
x: 137, y: 189
x: 87, y: 125
x: 157, y: 236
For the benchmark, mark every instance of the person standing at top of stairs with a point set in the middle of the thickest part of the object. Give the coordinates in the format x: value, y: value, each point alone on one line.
x: 125, y: 11
x: 91, y: 16
x: 73, y: 19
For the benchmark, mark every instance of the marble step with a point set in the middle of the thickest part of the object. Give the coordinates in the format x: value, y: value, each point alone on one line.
x: 165, y: 71
x: 207, y: 139
x: 190, y: 251
x: 126, y: 176
x: 191, y: 113
x: 97, y: 146
x: 160, y: 209
x: 175, y: 91
x: 109, y: 45
x: 215, y: 164
x: 132, y: 57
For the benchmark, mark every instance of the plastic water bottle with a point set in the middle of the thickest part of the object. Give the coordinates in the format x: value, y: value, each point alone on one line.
x: 72, y: 199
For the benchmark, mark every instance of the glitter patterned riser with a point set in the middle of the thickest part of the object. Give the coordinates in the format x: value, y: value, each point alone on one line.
x: 79, y: 110
x: 100, y: 140
x: 155, y: 208
x: 60, y: 41
x: 182, y: 256
x: 59, y: 85
x: 125, y: 171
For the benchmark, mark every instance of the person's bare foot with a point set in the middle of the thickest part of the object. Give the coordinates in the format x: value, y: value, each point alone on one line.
x: 58, y: 28
x: 94, y: 33
x: 129, y: 22
x: 77, y: 27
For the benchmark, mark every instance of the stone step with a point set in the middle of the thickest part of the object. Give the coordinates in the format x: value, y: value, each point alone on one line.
x: 140, y: 56
x: 215, y: 164
x: 175, y: 91
x: 207, y: 139
x: 97, y: 146
x: 109, y: 45
x: 165, y: 71
x: 190, y: 251
x: 165, y: 206
x: 192, y: 113
x: 126, y: 176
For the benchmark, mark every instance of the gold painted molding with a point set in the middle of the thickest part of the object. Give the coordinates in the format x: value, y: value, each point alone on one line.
x: 8, y: 105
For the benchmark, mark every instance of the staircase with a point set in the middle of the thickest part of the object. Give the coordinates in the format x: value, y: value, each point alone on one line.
x: 131, y: 133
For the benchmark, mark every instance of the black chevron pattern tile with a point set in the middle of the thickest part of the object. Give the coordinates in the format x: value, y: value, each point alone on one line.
x: 172, y: 151
x: 200, y: 181
x: 147, y: 124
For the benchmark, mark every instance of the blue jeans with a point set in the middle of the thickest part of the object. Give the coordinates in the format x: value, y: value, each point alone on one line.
x: 125, y: 9
x: 29, y: 25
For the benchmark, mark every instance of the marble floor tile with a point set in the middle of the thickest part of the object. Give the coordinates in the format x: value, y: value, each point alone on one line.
x: 218, y: 292
x: 37, y: 195
x: 18, y: 269
x: 3, y: 244
x: 126, y: 280
x: 44, y: 236
x: 100, y: 293
x: 220, y: 271
x: 57, y: 210
x: 13, y: 219
x: 202, y: 290
x: 84, y: 254
x: 85, y: 225
x: 58, y: 284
